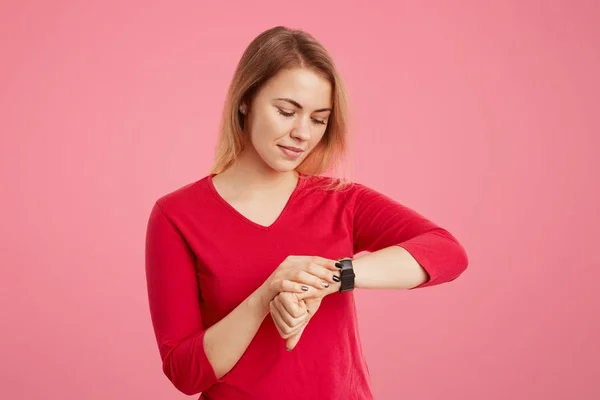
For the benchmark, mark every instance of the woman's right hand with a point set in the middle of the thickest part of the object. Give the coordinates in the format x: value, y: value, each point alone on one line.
x: 307, y: 276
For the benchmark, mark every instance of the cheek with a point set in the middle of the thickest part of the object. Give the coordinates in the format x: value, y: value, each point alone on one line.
x: 272, y: 127
x: 260, y: 131
x: 316, y: 138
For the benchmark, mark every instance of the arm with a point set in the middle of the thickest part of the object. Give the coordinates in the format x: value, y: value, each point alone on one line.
x: 193, y: 358
x: 406, y: 249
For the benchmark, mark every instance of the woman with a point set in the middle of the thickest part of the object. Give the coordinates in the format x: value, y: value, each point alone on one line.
x: 250, y: 271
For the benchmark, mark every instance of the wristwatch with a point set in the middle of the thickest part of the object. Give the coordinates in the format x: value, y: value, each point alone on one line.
x: 346, y: 274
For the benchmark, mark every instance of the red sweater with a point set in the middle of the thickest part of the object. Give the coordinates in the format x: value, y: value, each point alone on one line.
x: 203, y: 258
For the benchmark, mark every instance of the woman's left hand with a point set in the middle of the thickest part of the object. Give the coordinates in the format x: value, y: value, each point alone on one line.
x: 290, y: 315
x: 291, y: 312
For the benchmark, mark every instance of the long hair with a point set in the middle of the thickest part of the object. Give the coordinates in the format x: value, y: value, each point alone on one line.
x: 271, y: 51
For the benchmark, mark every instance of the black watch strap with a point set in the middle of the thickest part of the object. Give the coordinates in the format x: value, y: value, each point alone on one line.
x: 346, y: 274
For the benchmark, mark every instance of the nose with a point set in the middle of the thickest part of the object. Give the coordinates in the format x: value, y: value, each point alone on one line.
x: 301, y: 129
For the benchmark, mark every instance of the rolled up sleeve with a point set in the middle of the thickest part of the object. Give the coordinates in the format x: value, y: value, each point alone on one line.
x: 173, y: 296
x: 380, y: 222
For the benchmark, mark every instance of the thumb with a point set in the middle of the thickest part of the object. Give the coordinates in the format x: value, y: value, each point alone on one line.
x: 291, y: 342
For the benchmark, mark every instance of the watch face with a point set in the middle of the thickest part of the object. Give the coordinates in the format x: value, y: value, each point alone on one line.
x: 346, y: 274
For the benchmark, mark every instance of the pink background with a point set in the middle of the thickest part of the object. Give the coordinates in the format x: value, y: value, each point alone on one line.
x: 483, y: 117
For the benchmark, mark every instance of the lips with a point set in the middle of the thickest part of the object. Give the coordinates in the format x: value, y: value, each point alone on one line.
x: 292, y: 148
x: 291, y: 152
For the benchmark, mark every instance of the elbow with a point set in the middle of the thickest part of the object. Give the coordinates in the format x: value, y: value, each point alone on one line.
x: 185, y: 382
x: 463, y: 257
x: 457, y: 255
x: 460, y: 264
x: 453, y: 262
x: 185, y: 373
x: 182, y: 381
x: 187, y: 390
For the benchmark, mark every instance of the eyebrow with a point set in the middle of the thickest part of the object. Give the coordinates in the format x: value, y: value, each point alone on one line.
x: 295, y: 103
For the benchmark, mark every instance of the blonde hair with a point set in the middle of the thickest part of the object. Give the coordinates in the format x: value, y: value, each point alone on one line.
x: 271, y: 51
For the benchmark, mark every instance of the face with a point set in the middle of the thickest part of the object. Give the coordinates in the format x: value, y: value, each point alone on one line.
x: 288, y: 117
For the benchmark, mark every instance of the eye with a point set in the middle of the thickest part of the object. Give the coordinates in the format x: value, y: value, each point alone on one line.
x: 285, y: 114
x: 291, y: 114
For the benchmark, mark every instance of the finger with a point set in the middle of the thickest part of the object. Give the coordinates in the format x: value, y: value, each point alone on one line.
x: 284, y: 329
x: 325, y: 263
x: 312, y: 275
x: 289, y: 303
x: 301, y: 303
x: 291, y: 320
x: 314, y: 294
x: 323, y: 273
x: 296, y: 285
x: 321, y: 261
x: 277, y: 321
x: 291, y: 342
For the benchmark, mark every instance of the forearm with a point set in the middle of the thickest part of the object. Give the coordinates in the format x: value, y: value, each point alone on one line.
x: 389, y: 268
x: 226, y: 341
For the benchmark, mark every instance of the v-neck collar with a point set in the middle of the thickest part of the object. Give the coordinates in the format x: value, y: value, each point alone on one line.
x: 247, y: 220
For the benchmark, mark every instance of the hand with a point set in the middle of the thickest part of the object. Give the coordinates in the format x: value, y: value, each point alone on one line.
x: 304, y: 275
x: 291, y: 313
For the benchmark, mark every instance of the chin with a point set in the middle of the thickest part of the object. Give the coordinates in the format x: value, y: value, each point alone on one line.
x: 280, y: 164
x: 282, y: 167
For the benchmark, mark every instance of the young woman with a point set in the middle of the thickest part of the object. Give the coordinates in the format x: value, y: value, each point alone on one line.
x: 250, y: 269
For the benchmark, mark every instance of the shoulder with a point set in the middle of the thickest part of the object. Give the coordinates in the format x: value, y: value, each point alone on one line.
x: 356, y: 195
x: 183, y: 198
x: 332, y: 187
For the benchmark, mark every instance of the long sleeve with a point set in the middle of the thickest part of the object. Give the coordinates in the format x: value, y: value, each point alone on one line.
x: 380, y: 222
x: 173, y: 296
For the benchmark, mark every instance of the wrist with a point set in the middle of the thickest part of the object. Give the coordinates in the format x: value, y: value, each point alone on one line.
x: 260, y: 300
x: 347, y: 275
x: 358, y: 269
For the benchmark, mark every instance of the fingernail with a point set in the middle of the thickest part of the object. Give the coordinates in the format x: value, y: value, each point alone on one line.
x: 339, y: 265
x: 336, y: 278
x: 305, y: 288
x: 286, y: 349
x: 325, y: 284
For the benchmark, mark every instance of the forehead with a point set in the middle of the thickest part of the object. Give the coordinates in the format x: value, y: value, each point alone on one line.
x: 310, y: 89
